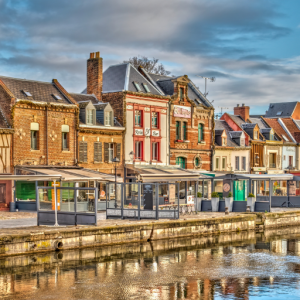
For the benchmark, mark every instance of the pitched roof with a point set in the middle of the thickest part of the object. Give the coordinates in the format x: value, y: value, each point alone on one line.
x: 84, y: 97
x: 220, y: 126
x: 40, y: 91
x: 290, y: 125
x: 258, y: 121
x: 273, y: 123
x: 281, y: 110
x: 237, y: 119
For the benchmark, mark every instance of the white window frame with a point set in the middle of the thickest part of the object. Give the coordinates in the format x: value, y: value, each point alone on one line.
x: 110, y: 152
x: 90, y: 116
x: 108, y: 118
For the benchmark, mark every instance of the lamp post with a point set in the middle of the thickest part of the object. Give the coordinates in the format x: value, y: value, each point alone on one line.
x: 115, y: 161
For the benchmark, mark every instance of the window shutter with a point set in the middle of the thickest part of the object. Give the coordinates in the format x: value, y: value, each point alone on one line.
x: 106, y: 155
x: 118, y: 151
x: 83, y: 152
x: 179, y: 131
x: 98, y: 152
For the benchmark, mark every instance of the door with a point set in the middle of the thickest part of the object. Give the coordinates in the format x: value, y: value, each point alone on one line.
x: 239, y: 190
x: 2, y: 193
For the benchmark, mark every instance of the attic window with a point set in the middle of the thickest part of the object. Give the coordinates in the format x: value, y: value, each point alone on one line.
x: 137, y: 86
x: 57, y: 97
x: 279, y: 113
x: 27, y: 93
x: 146, y: 88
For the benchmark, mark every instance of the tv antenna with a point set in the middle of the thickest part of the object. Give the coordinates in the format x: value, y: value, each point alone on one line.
x: 222, y: 109
x: 212, y: 79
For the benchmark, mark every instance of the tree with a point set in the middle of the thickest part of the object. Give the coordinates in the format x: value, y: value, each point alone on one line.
x: 150, y: 65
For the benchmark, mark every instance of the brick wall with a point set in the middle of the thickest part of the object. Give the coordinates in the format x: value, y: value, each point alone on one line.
x: 116, y: 102
x: 242, y: 111
x: 24, y: 115
x: 95, y: 75
x: 90, y: 139
x: 191, y: 149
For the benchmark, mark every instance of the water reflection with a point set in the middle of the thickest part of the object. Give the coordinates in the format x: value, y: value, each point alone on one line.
x: 232, y: 267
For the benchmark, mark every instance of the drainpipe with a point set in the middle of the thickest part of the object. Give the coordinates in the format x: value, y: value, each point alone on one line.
x: 169, y: 131
x: 47, y: 158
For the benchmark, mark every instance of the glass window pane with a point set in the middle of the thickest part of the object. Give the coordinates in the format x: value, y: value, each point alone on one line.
x: 45, y: 199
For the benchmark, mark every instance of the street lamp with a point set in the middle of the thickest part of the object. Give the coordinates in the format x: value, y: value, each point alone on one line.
x: 115, y: 161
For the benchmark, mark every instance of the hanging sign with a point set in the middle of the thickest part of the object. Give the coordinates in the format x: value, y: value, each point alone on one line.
x: 182, y: 111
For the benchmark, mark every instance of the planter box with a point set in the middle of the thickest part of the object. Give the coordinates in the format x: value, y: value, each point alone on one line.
x: 251, y: 203
x: 229, y: 203
x: 199, y: 203
x: 215, y: 204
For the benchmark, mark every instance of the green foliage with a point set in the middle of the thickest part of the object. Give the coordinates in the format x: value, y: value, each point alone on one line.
x: 229, y: 195
x: 215, y: 195
x: 251, y: 195
x: 199, y: 195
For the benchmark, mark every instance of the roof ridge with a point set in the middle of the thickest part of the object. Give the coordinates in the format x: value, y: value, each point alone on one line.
x: 23, y: 79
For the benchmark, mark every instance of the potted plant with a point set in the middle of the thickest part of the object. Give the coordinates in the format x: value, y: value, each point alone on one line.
x: 251, y: 202
x: 215, y: 199
x: 199, y: 201
x: 229, y: 201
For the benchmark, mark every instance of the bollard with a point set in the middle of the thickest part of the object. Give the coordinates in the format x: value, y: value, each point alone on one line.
x: 248, y: 209
x: 226, y: 211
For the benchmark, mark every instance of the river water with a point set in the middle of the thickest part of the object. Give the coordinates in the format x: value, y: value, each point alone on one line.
x: 240, y: 266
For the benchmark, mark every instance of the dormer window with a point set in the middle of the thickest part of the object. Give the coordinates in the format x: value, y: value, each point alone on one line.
x: 146, y: 88
x: 224, y: 141
x: 90, y: 116
x: 27, y: 93
x: 137, y: 86
x: 271, y: 135
x: 255, y: 135
x: 242, y: 142
x: 108, y: 118
x: 181, y: 92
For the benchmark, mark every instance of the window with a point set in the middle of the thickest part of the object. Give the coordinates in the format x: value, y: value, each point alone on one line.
x: 97, y: 152
x: 197, y: 162
x: 184, y: 131
x: 138, y: 150
x: 110, y: 152
x: 255, y: 135
x: 27, y: 93
x: 242, y: 142
x: 57, y: 97
x: 154, y: 119
x: 137, y: 86
x: 244, y: 163
x: 200, y: 132
x: 290, y: 161
x: 224, y: 141
x: 65, y: 137
x: 272, y: 162
x: 90, y: 116
x: 181, y: 92
x: 271, y: 136
x: 34, y: 135
x: 108, y: 118
x: 146, y: 88
x: 138, y: 118
x: 180, y: 161
x: 223, y: 163
x: 155, y: 149
x: 237, y: 163
x: 217, y: 163
x: 83, y: 152
x: 178, y: 133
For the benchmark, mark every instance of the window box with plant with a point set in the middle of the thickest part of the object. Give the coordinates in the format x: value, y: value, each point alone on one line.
x: 215, y: 199
x: 229, y: 201
x: 251, y: 202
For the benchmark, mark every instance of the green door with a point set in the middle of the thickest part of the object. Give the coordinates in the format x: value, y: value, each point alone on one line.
x: 239, y: 190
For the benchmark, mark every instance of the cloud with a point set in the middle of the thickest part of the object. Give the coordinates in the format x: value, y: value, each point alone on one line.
x: 52, y: 39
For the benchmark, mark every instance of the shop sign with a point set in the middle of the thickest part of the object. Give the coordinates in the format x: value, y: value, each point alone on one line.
x: 138, y: 132
x: 155, y: 132
x: 182, y: 111
x: 147, y: 131
x: 190, y: 199
x: 292, y: 188
x: 275, y: 172
x: 226, y: 187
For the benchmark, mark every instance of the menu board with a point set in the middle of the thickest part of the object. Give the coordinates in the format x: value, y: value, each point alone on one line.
x: 148, y: 196
x: 172, y: 193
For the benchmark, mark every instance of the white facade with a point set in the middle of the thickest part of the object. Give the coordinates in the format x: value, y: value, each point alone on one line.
x: 289, y: 157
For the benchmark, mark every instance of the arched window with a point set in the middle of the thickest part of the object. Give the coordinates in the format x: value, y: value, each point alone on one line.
x: 200, y: 132
x: 180, y: 161
x: 34, y: 136
x: 184, y: 131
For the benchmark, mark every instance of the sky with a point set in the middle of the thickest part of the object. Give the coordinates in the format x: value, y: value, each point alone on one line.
x: 252, y: 47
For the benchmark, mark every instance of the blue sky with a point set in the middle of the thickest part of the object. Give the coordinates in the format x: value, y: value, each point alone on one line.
x: 251, y: 47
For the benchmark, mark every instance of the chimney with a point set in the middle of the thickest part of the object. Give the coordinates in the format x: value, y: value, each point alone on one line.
x: 95, y: 75
x: 242, y: 111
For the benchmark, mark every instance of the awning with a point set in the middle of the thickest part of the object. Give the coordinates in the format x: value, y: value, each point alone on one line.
x: 66, y: 174
x: 165, y: 174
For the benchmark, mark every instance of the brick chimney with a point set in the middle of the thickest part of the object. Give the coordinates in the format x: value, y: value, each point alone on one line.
x: 242, y: 111
x: 95, y: 75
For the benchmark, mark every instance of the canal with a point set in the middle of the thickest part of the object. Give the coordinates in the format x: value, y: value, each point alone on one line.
x: 245, y: 265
